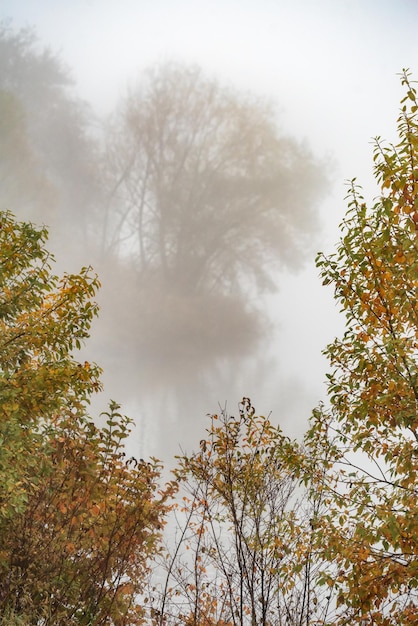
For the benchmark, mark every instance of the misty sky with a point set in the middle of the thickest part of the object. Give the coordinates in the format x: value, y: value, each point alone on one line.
x: 329, y: 65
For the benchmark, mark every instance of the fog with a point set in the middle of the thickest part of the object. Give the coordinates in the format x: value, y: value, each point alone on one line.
x: 195, y: 154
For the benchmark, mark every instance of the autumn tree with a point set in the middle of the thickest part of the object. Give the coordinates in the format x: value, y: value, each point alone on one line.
x: 368, y: 437
x: 78, y: 520
x: 243, y: 553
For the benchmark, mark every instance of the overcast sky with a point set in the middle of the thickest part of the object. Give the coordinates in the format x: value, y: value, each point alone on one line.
x: 329, y: 65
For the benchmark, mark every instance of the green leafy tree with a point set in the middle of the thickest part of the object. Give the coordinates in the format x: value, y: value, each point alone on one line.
x: 368, y: 437
x: 78, y: 521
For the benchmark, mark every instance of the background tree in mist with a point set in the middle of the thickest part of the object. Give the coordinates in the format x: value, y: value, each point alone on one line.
x: 23, y: 181
x: 49, y: 159
x: 208, y: 199
x: 209, y: 191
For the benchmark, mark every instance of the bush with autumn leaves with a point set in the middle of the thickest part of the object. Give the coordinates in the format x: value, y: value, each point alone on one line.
x: 78, y: 521
x: 368, y: 435
x: 265, y: 530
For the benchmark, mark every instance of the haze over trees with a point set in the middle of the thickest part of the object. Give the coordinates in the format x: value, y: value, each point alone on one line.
x: 274, y: 532
x: 205, y: 188
x: 49, y: 168
x: 208, y: 199
x: 188, y: 202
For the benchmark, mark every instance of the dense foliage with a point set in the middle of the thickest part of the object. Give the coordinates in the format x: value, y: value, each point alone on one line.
x: 369, y: 435
x: 78, y: 521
